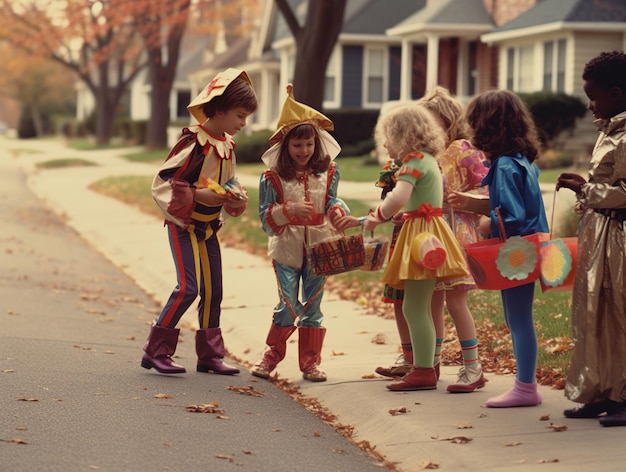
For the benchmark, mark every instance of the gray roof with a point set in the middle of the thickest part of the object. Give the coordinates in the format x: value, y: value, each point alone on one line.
x: 375, y: 16
x: 568, y: 11
x: 368, y: 17
x: 448, y: 12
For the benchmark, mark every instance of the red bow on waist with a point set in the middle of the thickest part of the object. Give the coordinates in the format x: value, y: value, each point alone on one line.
x: 426, y: 210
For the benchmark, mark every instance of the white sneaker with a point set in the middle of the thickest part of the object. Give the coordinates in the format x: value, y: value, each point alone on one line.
x: 469, y: 379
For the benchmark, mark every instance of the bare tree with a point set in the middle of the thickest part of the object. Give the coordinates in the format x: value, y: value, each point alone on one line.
x: 162, y: 27
x: 315, y: 41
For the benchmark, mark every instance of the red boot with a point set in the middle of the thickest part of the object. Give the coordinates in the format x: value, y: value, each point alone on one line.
x: 275, y: 352
x: 310, y: 341
x: 419, y: 378
x: 159, y: 349
x: 210, y: 350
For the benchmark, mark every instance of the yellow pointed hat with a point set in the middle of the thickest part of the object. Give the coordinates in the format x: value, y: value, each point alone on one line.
x: 213, y: 89
x: 295, y: 113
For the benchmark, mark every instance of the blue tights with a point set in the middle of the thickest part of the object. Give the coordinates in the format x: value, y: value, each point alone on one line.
x: 518, y: 314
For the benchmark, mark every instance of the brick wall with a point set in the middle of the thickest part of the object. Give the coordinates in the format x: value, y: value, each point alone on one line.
x: 503, y: 11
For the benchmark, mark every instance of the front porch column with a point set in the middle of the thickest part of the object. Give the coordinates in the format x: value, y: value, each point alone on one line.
x: 406, y: 70
x: 432, y: 62
x: 266, y: 109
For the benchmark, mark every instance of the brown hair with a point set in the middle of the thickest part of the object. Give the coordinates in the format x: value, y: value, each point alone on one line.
x: 239, y: 93
x: 447, y: 109
x: 319, y: 161
x: 502, y: 125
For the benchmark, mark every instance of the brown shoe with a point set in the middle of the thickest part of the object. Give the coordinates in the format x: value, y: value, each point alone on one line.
x: 399, y: 369
x: 419, y: 378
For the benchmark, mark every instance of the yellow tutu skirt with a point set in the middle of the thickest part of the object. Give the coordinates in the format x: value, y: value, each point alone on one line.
x: 403, y: 267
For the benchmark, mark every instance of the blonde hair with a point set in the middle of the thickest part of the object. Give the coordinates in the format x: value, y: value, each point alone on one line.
x: 447, y: 109
x: 411, y: 128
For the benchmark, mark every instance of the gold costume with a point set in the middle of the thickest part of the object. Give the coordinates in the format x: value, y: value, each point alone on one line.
x: 598, y: 364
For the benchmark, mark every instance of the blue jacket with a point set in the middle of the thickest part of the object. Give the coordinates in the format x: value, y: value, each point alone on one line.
x: 514, y: 188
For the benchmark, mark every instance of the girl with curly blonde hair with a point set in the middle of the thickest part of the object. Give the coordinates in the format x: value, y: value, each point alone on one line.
x: 411, y: 134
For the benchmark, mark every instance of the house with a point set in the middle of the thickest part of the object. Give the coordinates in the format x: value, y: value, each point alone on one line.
x: 392, y: 51
x: 386, y: 56
x: 364, y: 69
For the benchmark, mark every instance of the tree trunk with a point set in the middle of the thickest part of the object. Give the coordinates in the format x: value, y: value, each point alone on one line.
x: 156, y: 134
x: 162, y: 76
x: 314, y: 46
x: 35, y: 114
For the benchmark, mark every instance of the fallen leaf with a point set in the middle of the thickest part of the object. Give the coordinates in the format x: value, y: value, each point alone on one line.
x: 162, y: 395
x: 95, y: 311
x: 547, y: 461
x: 512, y: 443
x: 398, y: 411
x: 463, y: 426
x: 557, y: 427
x: 544, y: 418
x: 316, y: 434
x: 335, y: 353
x: 369, y: 376
x: 205, y: 408
x: 7, y: 371
x: 454, y: 439
x: 15, y: 441
x: 427, y: 465
x: 224, y: 456
x: 27, y: 400
x: 248, y: 390
x: 380, y: 338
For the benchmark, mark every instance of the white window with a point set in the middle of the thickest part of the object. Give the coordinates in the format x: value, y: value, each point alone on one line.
x: 519, y: 69
x: 375, y: 74
x: 539, y: 66
x: 331, y: 82
x: 525, y: 71
x: 554, y: 65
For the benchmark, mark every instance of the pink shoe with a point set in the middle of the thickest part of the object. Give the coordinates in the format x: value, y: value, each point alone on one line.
x: 522, y: 394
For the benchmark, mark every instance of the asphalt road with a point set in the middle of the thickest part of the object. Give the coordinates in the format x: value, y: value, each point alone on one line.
x: 73, y: 396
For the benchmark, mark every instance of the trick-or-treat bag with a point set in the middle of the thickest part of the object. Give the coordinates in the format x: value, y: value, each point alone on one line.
x: 336, y: 255
x: 501, y: 263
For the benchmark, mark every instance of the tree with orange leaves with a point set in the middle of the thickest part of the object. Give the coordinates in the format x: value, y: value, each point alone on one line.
x: 106, y: 43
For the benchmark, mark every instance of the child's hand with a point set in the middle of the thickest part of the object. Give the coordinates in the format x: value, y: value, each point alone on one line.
x: 571, y: 181
x: 345, y: 222
x: 211, y: 197
x: 239, y: 202
x: 303, y: 210
x: 458, y: 201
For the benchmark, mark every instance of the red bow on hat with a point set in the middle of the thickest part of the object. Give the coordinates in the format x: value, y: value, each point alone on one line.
x: 212, y: 86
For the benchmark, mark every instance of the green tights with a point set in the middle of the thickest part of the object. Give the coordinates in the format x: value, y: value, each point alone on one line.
x: 416, y: 308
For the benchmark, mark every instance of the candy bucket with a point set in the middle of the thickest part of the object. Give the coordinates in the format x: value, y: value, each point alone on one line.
x: 336, y: 256
x: 375, y: 252
x: 558, y: 264
x: 497, y: 265
x: 500, y: 263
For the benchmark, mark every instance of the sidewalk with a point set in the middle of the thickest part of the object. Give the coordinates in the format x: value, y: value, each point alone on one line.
x: 499, y: 439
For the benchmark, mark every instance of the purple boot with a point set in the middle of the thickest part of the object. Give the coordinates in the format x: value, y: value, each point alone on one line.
x: 210, y: 350
x: 159, y: 349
